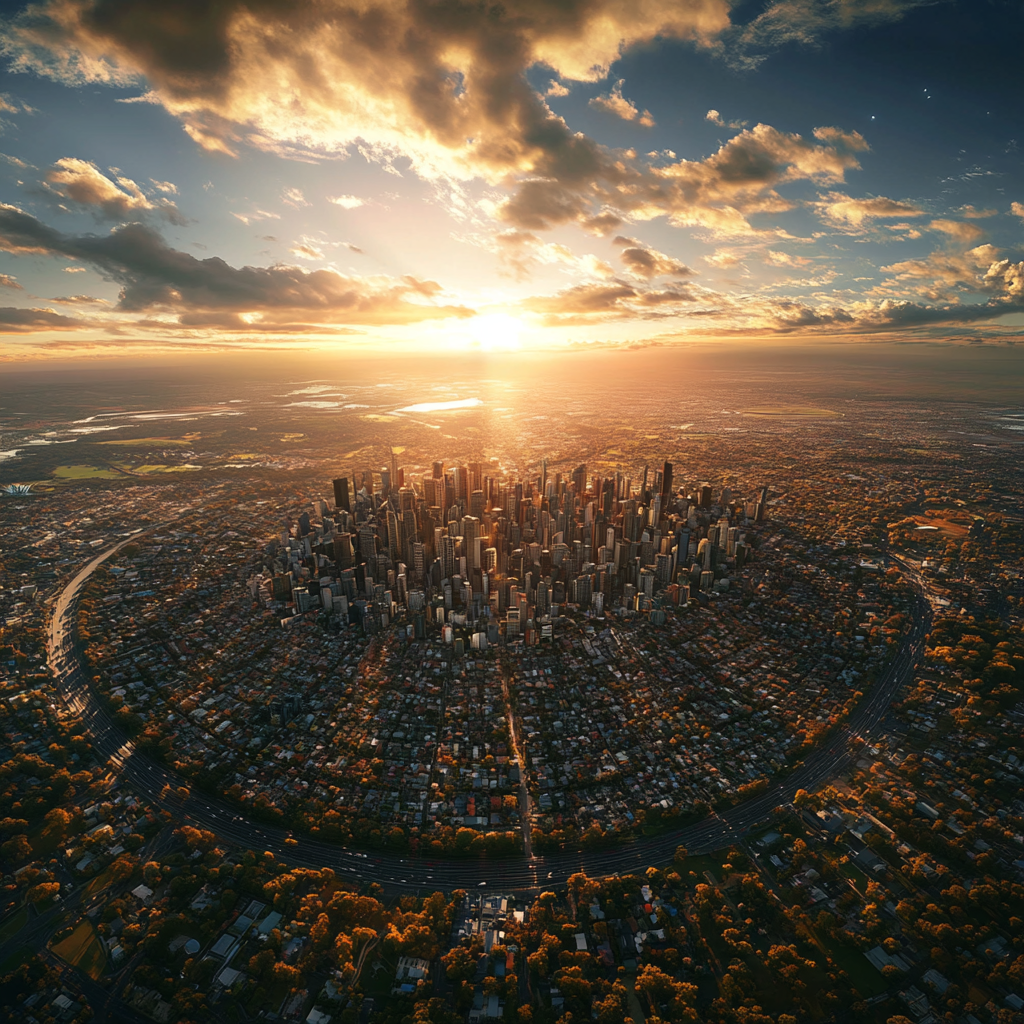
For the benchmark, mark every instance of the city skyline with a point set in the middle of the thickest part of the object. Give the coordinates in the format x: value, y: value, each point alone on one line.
x: 444, y: 178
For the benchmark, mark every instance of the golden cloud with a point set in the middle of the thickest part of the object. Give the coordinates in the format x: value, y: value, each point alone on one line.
x: 617, y: 104
x: 82, y: 182
x: 841, y: 210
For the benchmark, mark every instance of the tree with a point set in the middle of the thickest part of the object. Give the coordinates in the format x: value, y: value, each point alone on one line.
x: 42, y: 892
x: 56, y: 823
x: 680, y: 855
x: 123, y: 868
x: 459, y: 964
x: 16, y: 849
x: 582, y: 889
x: 661, y: 988
x: 320, y: 933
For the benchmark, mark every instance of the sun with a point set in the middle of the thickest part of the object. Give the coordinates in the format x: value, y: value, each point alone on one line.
x: 496, y: 332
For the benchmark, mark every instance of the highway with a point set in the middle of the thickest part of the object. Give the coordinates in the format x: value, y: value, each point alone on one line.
x: 533, y: 874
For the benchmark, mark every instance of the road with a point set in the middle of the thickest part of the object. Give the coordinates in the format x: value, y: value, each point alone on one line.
x: 159, y: 786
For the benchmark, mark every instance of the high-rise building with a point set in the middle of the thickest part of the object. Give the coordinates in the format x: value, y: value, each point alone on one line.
x: 341, y: 499
x: 666, y: 488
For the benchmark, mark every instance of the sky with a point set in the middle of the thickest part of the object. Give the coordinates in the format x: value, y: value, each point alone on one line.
x: 444, y: 175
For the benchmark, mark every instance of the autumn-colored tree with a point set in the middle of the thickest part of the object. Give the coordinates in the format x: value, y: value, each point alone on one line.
x: 42, y: 892
x: 16, y: 849
x: 582, y: 889
x: 320, y: 933
x: 124, y: 867
x: 55, y: 824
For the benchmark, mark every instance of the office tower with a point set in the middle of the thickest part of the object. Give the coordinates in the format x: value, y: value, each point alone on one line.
x: 343, y: 550
x: 392, y: 528
x: 368, y: 545
x: 477, y: 503
x: 704, y: 553
x: 663, y: 568
x: 447, y: 556
x: 666, y: 488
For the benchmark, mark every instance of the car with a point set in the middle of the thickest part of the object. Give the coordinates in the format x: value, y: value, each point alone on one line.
x: 478, y: 884
x: 291, y: 842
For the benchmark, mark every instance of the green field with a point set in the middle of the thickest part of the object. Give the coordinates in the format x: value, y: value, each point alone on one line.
x: 83, y: 949
x: 84, y: 473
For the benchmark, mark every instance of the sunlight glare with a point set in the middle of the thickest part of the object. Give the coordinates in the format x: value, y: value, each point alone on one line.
x: 496, y: 332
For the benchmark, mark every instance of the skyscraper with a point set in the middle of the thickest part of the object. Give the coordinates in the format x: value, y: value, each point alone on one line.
x: 666, y: 488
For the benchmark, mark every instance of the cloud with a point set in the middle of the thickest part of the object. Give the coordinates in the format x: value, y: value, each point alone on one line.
x: 403, y: 79
x: 522, y: 251
x: 644, y: 263
x: 1007, y: 279
x: 957, y: 230
x: 723, y: 258
x: 74, y: 270
x: 446, y: 88
x: 556, y: 90
x: 346, y: 202
x: 972, y: 213
x: 80, y: 300
x: 82, y: 182
x: 604, y: 302
x: 783, y: 259
x: 16, y: 320
x: 6, y: 281
x: 156, y: 278
x: 307, y: 250
x: 255, y: 216
x: 716, y: 118
x: 294, y: 197
x: 943, y: 276
x: 617, y: 104
x: 15, y: 162
x: 1017, y: 209
x: 165, y: 186
x: 804, y: 22
x: 718, y: 193
x: 9, y: 105
x: 841, y: 210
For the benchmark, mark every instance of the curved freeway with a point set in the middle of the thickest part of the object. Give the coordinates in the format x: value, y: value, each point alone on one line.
x: 397, y: 874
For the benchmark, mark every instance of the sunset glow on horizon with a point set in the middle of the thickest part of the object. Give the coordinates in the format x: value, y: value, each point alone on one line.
x: 543, y: 177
